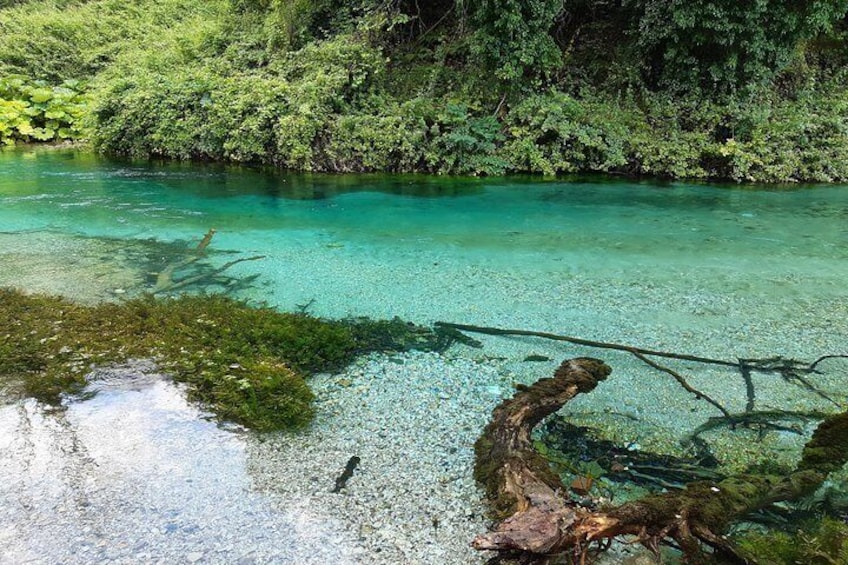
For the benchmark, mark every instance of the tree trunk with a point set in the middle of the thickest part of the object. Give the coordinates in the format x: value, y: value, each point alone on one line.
x: 538, y: 519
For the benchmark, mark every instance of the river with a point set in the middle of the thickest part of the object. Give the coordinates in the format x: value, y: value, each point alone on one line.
x: 137, y: 474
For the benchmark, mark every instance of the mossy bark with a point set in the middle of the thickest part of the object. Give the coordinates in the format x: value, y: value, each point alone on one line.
x: 537, y: 519
x: 519, y: 482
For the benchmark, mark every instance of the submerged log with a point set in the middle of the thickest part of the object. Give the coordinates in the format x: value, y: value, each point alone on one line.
x: 519, y: 482
x: 539, y: 520
x: 166, y: 280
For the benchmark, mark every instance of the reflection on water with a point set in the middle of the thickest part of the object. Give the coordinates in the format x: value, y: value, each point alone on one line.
x: 136, y: 475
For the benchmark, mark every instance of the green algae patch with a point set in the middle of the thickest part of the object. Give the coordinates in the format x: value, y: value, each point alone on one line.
x: 817, y: 542
x: 246, y: 364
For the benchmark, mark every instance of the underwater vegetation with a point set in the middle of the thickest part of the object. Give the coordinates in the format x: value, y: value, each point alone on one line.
x: 247, y: 364
x: 823, y: 542
x: 812, y: 530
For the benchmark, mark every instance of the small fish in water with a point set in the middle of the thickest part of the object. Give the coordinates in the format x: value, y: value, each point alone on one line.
x: 346, y: 474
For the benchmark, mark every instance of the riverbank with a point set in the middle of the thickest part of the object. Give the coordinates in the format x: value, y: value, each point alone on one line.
x: 366, y: 88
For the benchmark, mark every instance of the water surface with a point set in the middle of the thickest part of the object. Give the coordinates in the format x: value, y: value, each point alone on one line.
x: 722, y: 271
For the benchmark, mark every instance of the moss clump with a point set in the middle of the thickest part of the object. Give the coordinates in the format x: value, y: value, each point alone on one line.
x: 827, y: 451
x: 822, y: 542
x: 247, y: 364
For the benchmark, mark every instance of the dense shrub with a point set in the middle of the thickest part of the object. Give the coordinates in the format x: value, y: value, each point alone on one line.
x: 468, y: 87
x: 190, y: 114
x: 512, y: 37
x: 726, y: 45
x: 800, y: 140
x: 464, y: 143
x: 56, y: 40
x: 556, y: 133
x: 374, y: 142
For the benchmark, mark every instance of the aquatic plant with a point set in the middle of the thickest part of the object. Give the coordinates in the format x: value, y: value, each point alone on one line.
x: 820, y: 542
x: 399, y: 335
x: 246, y: 364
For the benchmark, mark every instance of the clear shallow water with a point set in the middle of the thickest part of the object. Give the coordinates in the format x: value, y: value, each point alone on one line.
x: 137, y: 475
x: 719, y: 271
x: 474, y: 250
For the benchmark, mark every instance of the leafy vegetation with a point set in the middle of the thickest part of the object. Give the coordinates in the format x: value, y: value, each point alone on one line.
x: 727, y: 44
x: 747, y: 91
x: 34, y: 111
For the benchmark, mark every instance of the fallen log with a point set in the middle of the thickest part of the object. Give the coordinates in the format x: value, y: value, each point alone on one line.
x: 539, y: 520
x: 790, y: 370
x: 166, y: 280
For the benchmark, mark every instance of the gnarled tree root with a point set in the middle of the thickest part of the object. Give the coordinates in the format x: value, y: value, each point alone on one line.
x: 538, y: 520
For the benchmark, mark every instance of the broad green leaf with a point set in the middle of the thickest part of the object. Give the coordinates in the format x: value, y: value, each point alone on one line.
x: 41, y: 95
x: 25, y: 128
x: 43, y: 134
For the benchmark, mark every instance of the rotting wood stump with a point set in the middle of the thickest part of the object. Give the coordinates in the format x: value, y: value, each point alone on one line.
x: 538, y: 520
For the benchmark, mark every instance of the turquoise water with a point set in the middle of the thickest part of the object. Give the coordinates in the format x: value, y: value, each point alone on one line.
x: 78, y: 193
x: 516, y: 252
x: 721, y: 271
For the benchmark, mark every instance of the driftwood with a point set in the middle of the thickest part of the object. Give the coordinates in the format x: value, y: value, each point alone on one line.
x: 166, y: 280
x: 790, y: 370
x: 537, y: 520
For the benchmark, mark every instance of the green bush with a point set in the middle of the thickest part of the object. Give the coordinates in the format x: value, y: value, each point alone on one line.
x: 56, y: 40
x: 512, y: 37
x: 670, y: 138
x: 375, y: 142
x: 465, y: 144
x: 727, y: 45
x: 802, y: 140
x: 556, y: 133
x: 473, y: 87
x: 206, y: 110
x: 190, y: 114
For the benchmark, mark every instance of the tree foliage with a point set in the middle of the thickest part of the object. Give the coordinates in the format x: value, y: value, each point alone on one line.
x: 512, y: 37
x: 748, y: 91
x: 727, y: 44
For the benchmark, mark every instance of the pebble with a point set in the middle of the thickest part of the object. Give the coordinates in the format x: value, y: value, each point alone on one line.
x: 417, y: 458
